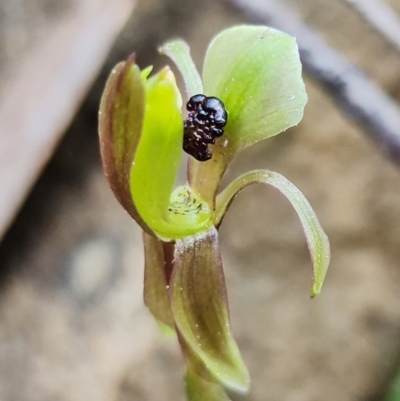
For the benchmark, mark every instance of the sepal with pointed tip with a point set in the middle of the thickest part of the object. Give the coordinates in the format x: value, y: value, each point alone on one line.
x: 317, y: 240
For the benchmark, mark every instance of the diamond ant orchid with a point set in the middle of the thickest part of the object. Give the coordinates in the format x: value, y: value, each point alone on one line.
x: 251, y: 89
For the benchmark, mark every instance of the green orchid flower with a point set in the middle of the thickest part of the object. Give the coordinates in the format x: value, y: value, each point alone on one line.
x: 251, y: 89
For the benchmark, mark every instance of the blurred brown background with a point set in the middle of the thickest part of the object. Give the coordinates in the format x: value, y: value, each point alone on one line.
x: 72, y: 323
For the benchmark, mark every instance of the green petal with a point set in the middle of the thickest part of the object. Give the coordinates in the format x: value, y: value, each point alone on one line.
x: 158, y: 154
x: 200, y: 389
x: 120, y: 124
x: 317, y: 240
x: 158, y: 264
x: 157, y: 162
x: 179, y: 52
x: 256, y: 72
x: 200, y: 308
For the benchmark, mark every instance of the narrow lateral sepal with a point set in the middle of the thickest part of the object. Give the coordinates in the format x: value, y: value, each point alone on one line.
x: 317, y: 240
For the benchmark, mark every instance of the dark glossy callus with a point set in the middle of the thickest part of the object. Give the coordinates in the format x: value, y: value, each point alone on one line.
x: 206, y: 121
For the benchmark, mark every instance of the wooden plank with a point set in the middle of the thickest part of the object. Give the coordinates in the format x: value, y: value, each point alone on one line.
x: 381, y: 17
x: 39, y: 102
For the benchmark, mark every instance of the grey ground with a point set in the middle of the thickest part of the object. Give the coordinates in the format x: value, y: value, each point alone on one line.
x: 72, y: 323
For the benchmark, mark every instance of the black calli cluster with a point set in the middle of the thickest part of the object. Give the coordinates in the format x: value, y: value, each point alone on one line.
x: 206, y: 121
